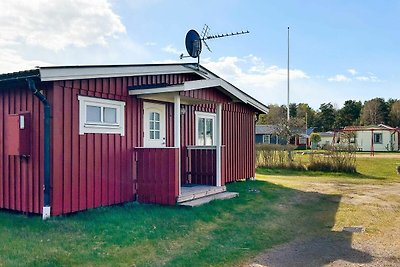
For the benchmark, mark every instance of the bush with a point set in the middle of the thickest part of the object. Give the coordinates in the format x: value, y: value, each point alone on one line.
x: 335, y: 159
x: 277, y: 156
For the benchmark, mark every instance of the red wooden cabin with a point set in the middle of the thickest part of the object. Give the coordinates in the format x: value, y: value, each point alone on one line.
x: 80, y: 137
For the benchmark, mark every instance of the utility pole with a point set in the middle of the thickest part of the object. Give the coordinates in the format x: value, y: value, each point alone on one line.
x: 288, y: 75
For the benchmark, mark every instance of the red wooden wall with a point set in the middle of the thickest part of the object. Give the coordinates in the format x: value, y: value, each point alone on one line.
x: 238, y: 138
x: 95, y: 170
x: 158, y: 175
x: 200, y: 166
x: 21, y: 179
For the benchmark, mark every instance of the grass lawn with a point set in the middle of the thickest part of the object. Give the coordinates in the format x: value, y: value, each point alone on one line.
x: 222, y: 233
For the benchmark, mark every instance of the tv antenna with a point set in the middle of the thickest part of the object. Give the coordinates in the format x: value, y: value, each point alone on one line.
x: 193, y: 41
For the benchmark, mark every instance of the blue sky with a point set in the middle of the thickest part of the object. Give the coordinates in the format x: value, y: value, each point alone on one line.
x: 339, y: 49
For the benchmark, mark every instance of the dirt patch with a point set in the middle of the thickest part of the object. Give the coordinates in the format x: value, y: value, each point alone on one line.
x: 335, y: 249
x: 378, y: 246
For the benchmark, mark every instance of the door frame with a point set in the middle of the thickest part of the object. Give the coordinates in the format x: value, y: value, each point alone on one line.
x: 158, y: 107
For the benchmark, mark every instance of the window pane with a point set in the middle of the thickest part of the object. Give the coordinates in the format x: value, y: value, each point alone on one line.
x: 200, y: 132
x: 157, y: 116
x: 157, y: 125
x: 156, y: 134
x: 151, y: 134
x: 209, y: 132
x: 110, y: 115
x: 152, y: 116
x: 93, y: 114
x: 151, y: 125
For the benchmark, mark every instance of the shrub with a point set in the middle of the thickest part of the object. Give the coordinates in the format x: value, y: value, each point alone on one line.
x: 277, y: 156
x: 335, y: 159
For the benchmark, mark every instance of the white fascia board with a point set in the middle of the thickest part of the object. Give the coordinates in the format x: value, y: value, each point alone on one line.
x: 89, y: 72
x: 165, y: 89
x: 201, y: 84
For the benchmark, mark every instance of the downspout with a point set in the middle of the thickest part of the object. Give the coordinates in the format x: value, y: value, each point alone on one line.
x: 47, y: 114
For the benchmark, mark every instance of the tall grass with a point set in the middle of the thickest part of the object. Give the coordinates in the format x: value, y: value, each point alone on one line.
x: 277, y: 156
x: 333, y: 159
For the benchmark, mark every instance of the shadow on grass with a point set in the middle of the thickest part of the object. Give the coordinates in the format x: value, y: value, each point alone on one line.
x: 222, y: 233
x: 286, y: 172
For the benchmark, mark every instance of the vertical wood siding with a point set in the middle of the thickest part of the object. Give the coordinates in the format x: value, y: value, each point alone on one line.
x: 201, y: 166
x: 238, y: 137
x: 20, y: 178
x: 95, y: 170
x: 157, y: 177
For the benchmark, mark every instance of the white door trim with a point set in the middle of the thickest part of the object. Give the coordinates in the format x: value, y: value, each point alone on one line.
x: 149, y: 107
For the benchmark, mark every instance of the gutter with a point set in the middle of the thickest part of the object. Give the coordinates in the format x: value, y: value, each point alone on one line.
x: 46, y: 167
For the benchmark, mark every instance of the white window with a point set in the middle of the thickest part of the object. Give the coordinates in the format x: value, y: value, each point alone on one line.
x: 377, y: 138
x: 98, y: 115
x: 267, y: 139
x: 205, y: 129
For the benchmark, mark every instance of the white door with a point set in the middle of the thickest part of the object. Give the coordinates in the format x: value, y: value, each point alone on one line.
x: 154, y: 124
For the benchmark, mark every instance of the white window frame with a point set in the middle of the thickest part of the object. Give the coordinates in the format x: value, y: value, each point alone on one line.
x: 380, y: 137
x: 104, y: 128
x: 205, y: 115
x: 267, y: 139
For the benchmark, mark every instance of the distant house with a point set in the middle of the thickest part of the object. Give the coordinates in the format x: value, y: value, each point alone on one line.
x: 371, y: 138
x: 326, y: 138
x: 267, y: 134
x: 301, y: 138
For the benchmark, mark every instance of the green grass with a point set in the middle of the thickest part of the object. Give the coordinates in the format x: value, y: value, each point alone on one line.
x: 378, y: 169
x: 221, y: 233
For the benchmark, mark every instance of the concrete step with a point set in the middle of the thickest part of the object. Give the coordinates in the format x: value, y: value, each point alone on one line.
x: 192, y: 193
x: 207, y: 199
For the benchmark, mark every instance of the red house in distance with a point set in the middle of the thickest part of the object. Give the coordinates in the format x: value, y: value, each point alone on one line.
x: 78, y: 137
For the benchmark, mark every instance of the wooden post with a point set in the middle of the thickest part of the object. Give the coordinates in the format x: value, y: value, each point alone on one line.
x: 177, y: 134
x: 218, y: 144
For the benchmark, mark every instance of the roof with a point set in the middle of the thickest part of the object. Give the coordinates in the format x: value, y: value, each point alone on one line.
x: 57, y: 73
x: 380, y: 127
x: 326, y: 134
x: 266, y: 129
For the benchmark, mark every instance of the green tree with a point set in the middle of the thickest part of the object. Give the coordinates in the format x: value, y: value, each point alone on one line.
x: 293, y: 110
x: 325, y: 117
x: 302, y: 110
x: 349, y: 114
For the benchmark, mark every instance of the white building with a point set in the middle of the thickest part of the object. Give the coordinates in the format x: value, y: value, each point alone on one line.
x: 371, y: 138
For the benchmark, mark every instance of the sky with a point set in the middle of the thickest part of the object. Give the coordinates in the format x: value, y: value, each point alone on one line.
x: 339, y: 49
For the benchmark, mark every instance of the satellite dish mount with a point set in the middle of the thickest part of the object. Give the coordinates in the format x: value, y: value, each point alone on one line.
x: 193, y: 41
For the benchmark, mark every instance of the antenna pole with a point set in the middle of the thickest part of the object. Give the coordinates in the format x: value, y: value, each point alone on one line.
x: 288, y: 77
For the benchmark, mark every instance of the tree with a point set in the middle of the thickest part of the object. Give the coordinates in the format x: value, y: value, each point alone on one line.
x: 374, y: 112
x: 274, y: 116
x: 349, y: 114
x: 293, y: 110
x: 302, y: 110
x: 325, y: 117
x: 394, y: 115
x: 314, y: 138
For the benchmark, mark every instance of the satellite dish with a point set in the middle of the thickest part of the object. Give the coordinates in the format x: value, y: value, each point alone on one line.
x: 193, y: 43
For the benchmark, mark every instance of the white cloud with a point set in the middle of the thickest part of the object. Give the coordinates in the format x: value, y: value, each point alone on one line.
x: 57, y: 24
x: 370, y: 78
x: 268, y: 84
x: 339, y: 78
x: 352, y: 71
x: 11, y: 61
x: 172, y: 50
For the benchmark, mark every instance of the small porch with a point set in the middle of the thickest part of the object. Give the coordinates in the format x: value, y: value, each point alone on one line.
x: 184, y: 172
